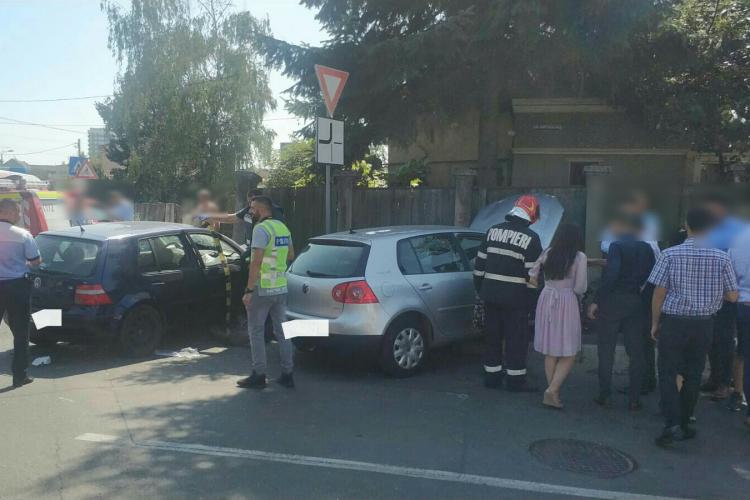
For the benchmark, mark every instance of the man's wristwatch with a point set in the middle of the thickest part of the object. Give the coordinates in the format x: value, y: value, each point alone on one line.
x: 249, y: 290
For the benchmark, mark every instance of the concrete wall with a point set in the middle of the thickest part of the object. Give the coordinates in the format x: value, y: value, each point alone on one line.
x: 539, y: 168
x: 539, y: 140
x: 449, y: 146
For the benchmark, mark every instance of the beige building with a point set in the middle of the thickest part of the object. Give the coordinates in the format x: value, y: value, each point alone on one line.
x: 549, y: 143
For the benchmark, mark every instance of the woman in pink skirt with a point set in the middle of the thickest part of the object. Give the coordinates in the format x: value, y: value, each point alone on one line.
x: 558, y: 318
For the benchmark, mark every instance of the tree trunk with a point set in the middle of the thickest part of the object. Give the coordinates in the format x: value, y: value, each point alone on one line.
x: 489, y: 124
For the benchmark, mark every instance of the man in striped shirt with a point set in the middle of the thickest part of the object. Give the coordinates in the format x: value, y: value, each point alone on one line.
x: 691, y: 282
x: 501, y: 276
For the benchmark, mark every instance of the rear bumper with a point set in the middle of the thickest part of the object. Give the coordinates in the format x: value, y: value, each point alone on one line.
x: 367, y: 320
x: 81, y: 325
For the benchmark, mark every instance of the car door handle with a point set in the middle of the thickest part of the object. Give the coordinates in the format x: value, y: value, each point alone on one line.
x: 158, y: 283
x: 425, y: 287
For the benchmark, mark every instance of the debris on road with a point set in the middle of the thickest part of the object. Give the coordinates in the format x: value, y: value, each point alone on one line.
x: 42, y: 360
x: 185, y: 353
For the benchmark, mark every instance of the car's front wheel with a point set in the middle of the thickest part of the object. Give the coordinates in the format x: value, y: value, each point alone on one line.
x: 404, y: 348
x: 140, y: 332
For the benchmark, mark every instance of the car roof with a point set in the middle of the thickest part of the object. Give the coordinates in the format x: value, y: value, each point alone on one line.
x: 117, y: 230
x: 393, y: 233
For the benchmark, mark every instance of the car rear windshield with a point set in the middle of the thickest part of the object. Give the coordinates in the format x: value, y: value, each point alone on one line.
x: 68, y: 256
x: 331, y: 259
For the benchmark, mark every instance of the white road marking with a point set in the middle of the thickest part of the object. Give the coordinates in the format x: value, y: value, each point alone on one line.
x: 394, y: 470
x: 97, y: 438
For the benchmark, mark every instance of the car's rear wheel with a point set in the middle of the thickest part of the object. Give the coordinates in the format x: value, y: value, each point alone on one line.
x: 40, y: 341
x: 140, y: 332
x: 404, y: 348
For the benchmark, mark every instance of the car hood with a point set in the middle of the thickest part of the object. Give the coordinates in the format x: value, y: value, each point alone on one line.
x: 551, y: 214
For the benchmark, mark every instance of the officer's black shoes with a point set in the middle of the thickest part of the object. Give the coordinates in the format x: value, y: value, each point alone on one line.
x: 286, y: 380
x: 254, y: 381
x: 666, y: 438
x: 18, y: 382
x: 671, y: 434
x: 522, y: 387
x: 687, y: 433
x: 493, y: 380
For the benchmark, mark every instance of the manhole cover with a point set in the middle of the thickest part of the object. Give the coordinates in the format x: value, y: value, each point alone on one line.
x: 583, y: 457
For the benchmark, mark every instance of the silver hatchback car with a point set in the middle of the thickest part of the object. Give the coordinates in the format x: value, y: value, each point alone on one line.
x: 402, y: 289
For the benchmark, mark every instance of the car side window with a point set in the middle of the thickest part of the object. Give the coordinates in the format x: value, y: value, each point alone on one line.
x: 146, y: 258
x: 470, y: 245
x: 407, y: 259
x: 170, y: 253
x: 434, y: 253
x: 205, y: 244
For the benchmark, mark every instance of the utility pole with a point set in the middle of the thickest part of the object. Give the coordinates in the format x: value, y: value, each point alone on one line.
x: 79, y: 147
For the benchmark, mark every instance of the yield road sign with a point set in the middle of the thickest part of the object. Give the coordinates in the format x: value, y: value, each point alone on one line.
x: 86, y: 171
x: 329, y: 141
x: 332, y: 82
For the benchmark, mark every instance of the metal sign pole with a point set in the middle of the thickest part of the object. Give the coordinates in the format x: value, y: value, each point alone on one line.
x: 328, y: 198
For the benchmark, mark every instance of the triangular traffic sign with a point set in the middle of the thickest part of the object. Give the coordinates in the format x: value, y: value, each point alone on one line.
x: 86, y: 171
x: 332, y: 83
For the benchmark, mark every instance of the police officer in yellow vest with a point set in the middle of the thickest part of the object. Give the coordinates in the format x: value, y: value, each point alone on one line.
x: 266, y: 291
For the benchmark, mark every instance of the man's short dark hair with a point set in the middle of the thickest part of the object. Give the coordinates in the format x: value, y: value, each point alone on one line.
x: 7, y: 204
x: 718, y: 198
x: 263, y: 200
x: 699, y: 220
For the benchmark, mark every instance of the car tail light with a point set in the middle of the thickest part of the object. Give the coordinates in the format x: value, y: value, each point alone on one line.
x: 91, y: 295
x: 354, y: 292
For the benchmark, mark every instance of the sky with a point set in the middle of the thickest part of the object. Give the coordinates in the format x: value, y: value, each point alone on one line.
x: 51, y: 49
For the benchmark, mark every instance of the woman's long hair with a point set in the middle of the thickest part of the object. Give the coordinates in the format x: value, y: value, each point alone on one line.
x: 562, y: 252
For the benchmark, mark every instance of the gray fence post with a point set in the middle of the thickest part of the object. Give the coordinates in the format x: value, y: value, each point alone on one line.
x: 464, y: 191
x: 344, y: 184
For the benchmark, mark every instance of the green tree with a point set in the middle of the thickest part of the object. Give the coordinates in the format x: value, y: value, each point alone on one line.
x: 294, y: 166
x: 191, y: 95
x: 410, y: 58
x: 689, y: 77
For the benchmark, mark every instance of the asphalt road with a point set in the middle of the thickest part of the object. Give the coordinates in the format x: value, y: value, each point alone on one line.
x: 96, y: 426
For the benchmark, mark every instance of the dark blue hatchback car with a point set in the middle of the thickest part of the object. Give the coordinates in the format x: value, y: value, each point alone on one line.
x: 128, y: 282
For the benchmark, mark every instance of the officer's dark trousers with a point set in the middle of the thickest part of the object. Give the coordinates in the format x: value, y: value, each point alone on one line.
x: 14, y: 301
x: 512, y: 326
x: 649, y: 345
x: 743, y: 337
x: 683, y: 345
x: 721, y: 354
x: 621, y: 312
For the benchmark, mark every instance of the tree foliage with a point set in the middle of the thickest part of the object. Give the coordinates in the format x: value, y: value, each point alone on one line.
x: 191, y: 95
x: 411, y: 58
x: 294, y: 166
x: 689, y: 76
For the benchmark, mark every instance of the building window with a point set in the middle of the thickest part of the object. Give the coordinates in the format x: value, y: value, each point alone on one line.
x: 577, y: 175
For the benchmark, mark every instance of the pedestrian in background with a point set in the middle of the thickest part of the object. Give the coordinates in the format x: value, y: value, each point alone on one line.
x: 740, y: 256
x: 618, y: 307
x: 722, y: 354
x: 501, y: 276
x: 18, y: 253
x: 244, y: 216
x: 691, y: 281
x: 266, y: 292
x: 558, y: 311
x: 205, y: 205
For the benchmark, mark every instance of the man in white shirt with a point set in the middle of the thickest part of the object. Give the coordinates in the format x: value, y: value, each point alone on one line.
x: 18, y: 252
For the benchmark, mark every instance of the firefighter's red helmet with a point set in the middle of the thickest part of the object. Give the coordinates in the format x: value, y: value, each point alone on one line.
x: 529, y: 204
